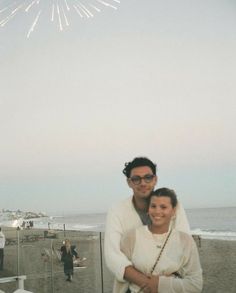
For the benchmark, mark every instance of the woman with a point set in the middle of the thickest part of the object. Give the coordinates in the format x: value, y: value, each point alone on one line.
x: 68, y: 252
x: 165, y: 255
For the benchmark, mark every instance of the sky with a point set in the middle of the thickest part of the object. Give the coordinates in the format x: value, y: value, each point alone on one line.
x: 86, y: 86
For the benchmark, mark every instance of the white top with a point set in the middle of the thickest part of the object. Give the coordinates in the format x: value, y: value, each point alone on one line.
x: 2, y: 240
x: 180, y: 255
x: 121, y: 219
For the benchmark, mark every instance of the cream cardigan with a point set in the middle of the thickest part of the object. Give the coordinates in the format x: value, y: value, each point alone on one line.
x: 121, y: 219
x: 179, y: 255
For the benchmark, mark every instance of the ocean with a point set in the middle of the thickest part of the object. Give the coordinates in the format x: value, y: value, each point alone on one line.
x: 210, y: 223
x: 213, y: 223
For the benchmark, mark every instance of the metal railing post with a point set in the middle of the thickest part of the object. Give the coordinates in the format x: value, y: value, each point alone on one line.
x: 18, y: 252
x: 64, y: 229
x: 101, y: 260
x: 52, y: 275
x: 20, y: 283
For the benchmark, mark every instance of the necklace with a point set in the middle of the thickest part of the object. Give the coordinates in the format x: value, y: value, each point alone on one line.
x: 167, y: 237
x: 159, y: 256
x: 159, y: 239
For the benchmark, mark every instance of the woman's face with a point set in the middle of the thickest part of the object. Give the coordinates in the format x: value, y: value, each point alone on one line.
x: 161, y: 211
x: 67, y: 242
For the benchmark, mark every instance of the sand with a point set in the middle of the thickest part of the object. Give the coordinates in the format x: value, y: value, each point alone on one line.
x: 38, y: 260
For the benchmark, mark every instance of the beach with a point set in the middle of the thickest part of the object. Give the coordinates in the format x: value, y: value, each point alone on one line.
x: 37, y: 257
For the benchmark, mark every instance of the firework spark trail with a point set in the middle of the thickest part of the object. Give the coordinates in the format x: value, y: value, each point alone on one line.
x: 95, y: 8
x: 9, y: 17
x: 34, y: 24
x: 82, y: 10
x: 3, y: 9
x: 77, y: 10
x: 7, y: 7
x: 59, y: 18
x: 66, y: 20
x: 86, y: 10
x: 6, y: 20
x: 67, y: 6
x: 53, y: 11
x: 106, y: 4
x: 30, y: 5
x: 17, y: 8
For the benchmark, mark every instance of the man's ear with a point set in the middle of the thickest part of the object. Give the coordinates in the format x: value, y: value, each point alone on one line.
x: 128, y: 182
x: 156, y: 180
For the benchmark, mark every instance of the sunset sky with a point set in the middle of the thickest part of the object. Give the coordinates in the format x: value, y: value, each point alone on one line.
x: 139, y: 78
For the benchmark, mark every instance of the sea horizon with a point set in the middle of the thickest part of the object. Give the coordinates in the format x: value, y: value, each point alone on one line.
x: 210, y: 223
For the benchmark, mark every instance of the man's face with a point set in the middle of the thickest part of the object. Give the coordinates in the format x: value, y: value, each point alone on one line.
x: 142, y: 181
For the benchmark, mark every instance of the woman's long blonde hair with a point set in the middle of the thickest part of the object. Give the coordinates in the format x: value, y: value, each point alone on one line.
x: 68, y: 245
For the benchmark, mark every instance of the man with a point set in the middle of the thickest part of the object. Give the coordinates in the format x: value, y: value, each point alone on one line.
x: 129, y: 214
x: 2, y: 245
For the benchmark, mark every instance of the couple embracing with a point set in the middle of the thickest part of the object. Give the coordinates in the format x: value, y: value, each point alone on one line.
x: 148, y: 246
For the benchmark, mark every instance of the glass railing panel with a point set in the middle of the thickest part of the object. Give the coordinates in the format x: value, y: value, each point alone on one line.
x: 10, y: 259
x: 36, y: 254
x: 35, y: 260
x: 87, y: 276
x: 108, y: 278
x: 218, y: 259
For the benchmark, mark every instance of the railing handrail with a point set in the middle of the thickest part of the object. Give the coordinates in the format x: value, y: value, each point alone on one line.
x: 19, y: 279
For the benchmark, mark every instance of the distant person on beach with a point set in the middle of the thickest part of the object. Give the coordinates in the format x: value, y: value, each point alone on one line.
x: 131, y: 213
x: 27, y: 224
x: 31, y: 224
x: 68, y: 253
x: 2, y: 245
x: 167, y: 256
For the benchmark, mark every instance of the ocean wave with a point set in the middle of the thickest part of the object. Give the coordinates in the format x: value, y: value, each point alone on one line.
x: 61, y: 223
x: 60, y: 226
x: 215, y: 234
x: 52, y: 223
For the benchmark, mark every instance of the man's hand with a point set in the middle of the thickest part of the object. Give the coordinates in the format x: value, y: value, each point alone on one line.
x: 147, y: 283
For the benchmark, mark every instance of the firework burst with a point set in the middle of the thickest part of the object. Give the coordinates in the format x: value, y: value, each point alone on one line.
x: 59, y: 11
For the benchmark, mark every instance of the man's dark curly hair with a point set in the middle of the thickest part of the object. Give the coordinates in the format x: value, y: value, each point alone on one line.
x: 138, y: 162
